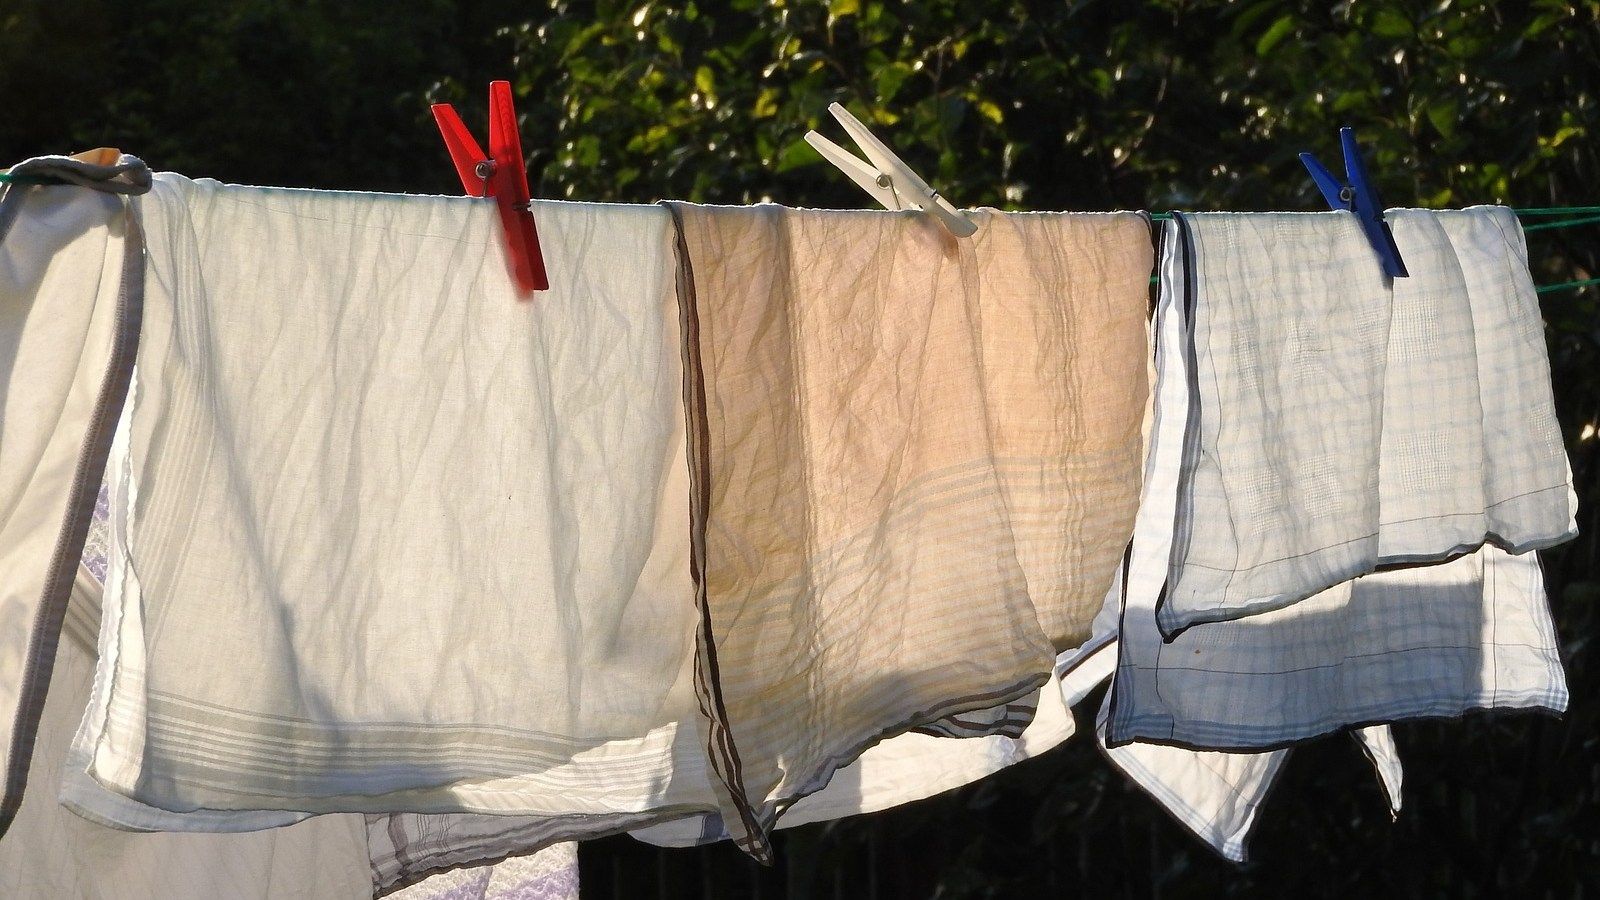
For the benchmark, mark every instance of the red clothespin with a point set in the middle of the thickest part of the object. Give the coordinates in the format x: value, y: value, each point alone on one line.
x: 500, y: 174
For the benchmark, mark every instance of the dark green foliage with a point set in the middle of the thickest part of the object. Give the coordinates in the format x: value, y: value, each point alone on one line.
x: 1066, y: 104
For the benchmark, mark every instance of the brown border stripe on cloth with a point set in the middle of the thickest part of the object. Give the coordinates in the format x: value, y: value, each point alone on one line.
x: 915, y: 464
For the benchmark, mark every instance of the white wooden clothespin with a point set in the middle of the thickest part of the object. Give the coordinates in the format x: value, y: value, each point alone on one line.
x: 889, y: 181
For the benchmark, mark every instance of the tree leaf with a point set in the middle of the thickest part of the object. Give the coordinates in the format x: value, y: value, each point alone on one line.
x: 1444, y: 115
x: 1389, y: 23
x: 1275, y: 33
x: 796, y: 154
x: 766, y: 105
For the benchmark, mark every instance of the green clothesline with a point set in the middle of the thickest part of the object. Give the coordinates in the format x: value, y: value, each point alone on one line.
x: 1557, y: 210
x: 1567, y: 223
x: 1591, y: 214
x: 1567, y: 285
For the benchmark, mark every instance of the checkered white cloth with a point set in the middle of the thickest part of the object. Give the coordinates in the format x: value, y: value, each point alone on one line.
x: 1341, y: 421
x: 1215, y: 794
x: 1432, y: 640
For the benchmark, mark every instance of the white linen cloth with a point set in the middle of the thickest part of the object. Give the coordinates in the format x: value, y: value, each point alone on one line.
x: 52, y: 853
x: 444, y: 561
x: 1344, y: 421
x: 1215, y: 794
x: 407, y: 844
x: 551, y: 874
x: 69, y: 321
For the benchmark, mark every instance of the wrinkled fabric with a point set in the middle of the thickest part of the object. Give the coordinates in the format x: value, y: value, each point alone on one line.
x: 70, y: 272
x: 1344, y: 421
x: 1217, y: 795
x: 386, y: 538
x: 104, y: 169
x: 915, y: 464
x: 1214, y: 794
x: 1390, y: 646
x: 1427, y: 640
x: 52, y: 853
x: 56, y: 854
x: 549, y: 875
x: 401, y: 849
x: 900, y: 770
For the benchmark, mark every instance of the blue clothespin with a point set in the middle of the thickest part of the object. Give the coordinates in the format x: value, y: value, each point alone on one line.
x: 1359, y: 197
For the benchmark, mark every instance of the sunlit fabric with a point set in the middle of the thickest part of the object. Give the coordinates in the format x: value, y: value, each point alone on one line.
x: 1342, y: 421
x: 916, y: 463
x: 385, y: 538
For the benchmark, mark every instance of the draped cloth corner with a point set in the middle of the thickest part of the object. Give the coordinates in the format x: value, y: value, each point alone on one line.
x: 71, y: 301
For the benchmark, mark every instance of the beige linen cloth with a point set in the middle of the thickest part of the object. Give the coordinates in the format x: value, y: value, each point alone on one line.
x: 916, y: 463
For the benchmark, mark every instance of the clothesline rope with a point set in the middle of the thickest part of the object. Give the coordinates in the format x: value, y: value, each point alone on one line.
x: 1588, y: 216
x: 1557, y: 210
x: 1585, y: 216
x: 1541, y: 289
x: 1591, y: 214
x: 1567, y: 285
x: 1567, y: 223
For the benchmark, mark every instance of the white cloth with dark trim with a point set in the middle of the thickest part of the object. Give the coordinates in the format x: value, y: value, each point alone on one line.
x: 52, y: 853
x: 1343, y: 421
x: 1215, y: 794
x: 900, y: 770
x: 70, y: 271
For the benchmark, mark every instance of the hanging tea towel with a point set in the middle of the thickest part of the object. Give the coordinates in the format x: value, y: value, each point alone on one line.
x: 387, y: 539
x: 1342, y: 421
x: 915, y: 464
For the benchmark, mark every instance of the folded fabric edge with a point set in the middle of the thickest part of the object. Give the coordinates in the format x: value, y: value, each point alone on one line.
x: 74, y: 531
x: 1172, y: 624
x: 1540, y: 703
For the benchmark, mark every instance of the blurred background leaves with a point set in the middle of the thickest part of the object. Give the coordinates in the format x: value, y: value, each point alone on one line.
x: 1066, y: 104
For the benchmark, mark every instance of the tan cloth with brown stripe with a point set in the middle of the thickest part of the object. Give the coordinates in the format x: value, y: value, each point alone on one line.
x: 916, y: 465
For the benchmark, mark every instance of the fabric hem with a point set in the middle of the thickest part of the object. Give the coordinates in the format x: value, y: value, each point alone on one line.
x: 74, y: 531
x: 1541, y: 706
